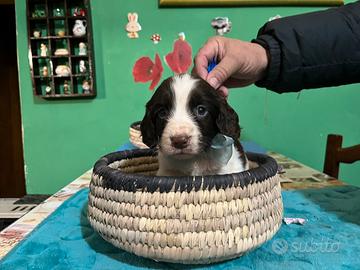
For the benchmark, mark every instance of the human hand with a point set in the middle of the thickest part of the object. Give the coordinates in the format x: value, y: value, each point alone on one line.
x: 240, y: 63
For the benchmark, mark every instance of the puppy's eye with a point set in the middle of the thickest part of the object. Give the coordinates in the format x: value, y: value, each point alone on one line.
x: 201, y: 111
x: 162, y: 113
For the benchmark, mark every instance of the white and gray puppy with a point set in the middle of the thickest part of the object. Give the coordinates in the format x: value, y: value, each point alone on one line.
x: 182, y: 118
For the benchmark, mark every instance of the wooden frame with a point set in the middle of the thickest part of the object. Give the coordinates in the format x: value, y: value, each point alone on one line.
x: 224, y: 3
x: 47, y: 22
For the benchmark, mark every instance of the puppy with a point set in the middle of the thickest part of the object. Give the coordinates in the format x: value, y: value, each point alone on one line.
x: 182, y: 118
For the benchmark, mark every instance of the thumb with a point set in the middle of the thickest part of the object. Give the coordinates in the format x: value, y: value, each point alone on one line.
x: 222, y: 72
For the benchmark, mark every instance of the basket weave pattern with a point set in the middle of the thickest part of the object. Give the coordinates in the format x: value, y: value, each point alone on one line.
x: 182, y: 219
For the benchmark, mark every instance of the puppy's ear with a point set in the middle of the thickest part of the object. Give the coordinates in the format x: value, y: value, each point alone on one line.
x: 228, y: 120
x: 147, y: 128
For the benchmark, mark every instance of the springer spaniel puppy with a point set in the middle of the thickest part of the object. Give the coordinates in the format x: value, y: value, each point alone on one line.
x: 182, y: 119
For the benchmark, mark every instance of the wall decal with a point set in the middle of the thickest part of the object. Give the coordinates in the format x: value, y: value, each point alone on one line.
x: 146, y: 70
x: 133, y: 26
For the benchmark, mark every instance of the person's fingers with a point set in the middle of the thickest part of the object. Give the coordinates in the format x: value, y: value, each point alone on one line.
x: 222, y: 72
x: 200, y: 66
x: 204, y: 56
x: 223, y: 91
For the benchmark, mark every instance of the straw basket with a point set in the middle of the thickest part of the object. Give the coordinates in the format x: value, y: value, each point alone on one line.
x: 190, y: 219
x: 135, y: 135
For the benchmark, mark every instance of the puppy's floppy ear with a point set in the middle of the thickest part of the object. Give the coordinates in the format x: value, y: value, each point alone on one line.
x: 228, y: 120
x: 147, y: 128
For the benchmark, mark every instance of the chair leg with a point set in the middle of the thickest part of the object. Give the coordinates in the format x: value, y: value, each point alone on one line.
x: 331, y: 164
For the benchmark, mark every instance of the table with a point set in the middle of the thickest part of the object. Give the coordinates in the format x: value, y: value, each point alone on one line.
x: 294, y: 175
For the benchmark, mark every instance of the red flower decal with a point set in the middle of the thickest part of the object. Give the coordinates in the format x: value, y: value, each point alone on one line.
x: 180, y: 59
x: 145, y: 70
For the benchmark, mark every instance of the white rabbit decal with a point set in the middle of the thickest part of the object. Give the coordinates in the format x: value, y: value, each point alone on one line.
x: 133, y: 26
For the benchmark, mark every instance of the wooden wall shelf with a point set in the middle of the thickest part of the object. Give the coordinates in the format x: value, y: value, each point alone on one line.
x: 50, y: 24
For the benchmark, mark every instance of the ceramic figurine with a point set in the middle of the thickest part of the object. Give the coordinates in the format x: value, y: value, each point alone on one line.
x: 86, y: 87
x: 66, y: 88
x: 45, y: 71
x: 82, y: 66
x: 79, y: 12
x: 48, y: 90
x: 37, y: 34
x: 62, y: 70
x: 155, y: 38
x: 133, y: 26
x: 38, y: 13
x: 60, y: 52
x: 59, y: 12
x: 79, y: 28
x: 43, y: 50
x: 61, y: 33
x: 222, y: 25
x: 82, y: 48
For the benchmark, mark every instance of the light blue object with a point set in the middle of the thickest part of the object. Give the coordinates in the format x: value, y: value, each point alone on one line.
x: 328, y: 240
x: 221, y: 148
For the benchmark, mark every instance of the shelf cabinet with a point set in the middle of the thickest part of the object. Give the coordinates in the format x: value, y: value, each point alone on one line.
x: 61, y: 55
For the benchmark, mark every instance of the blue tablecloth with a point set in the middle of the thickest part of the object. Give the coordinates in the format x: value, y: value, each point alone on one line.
x: 329, y: 240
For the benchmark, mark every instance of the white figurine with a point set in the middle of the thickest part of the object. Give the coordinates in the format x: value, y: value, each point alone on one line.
x: 48, y: 90
x: 66, y: 88
x: 62, y: 70
x: 82, y: 48
x: 43, y: 50
x: 45, y: 71
x: 82, y: 66
x: 86, y: 87
x: 133, y: 26
x: 79, y: 28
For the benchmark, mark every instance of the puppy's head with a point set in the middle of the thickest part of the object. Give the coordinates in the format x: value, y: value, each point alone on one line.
x: 184, y: 115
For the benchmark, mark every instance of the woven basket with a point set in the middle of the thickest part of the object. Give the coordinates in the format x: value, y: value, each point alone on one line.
x: 195, y: 219
x: 135, y: 135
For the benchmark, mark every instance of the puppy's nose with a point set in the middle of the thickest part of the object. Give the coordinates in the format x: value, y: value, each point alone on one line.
x: 180, y: 141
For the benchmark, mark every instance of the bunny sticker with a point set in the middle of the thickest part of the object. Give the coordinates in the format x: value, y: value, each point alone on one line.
x: 132, y: 27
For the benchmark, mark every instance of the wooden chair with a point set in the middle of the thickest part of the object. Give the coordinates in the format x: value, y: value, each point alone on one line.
x: 335, y: 155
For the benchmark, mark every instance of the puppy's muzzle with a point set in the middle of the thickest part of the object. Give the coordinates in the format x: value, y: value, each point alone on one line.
x: 180, y: 141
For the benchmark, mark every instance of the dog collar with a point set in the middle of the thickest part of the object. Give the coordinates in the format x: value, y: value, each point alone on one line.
x: 221, y: 148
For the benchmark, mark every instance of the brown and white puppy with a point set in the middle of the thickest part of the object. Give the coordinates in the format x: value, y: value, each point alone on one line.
x: 182, y: 118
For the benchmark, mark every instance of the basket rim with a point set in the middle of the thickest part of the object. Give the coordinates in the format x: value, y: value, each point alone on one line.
x: 135, y: 124
x: 118, y: 180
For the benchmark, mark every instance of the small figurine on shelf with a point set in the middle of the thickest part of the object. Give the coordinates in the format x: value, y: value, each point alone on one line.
x: 59, y: 12
x: 82, y: 48
x: 48, y: 90
x: 37, y: 34
x: 66, y: 88
x: 45, y: 71
x: 61, y: 33
x: 79, y: 28
x: 61, y: 52
x: 62, y: 70
x: 86, y: 87
x: 133, y: 26
x: 38, y: 13
x: 82, y: 66
x: 43, y: 50
x: 79, y: 12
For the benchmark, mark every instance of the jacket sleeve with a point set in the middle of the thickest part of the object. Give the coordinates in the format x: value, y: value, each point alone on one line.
x: 312, y: 50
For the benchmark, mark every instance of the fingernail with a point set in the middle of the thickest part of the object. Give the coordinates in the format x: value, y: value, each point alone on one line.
x: 213, y: 82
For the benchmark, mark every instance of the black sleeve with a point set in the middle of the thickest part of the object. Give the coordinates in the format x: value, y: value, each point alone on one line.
x: 312, y: 50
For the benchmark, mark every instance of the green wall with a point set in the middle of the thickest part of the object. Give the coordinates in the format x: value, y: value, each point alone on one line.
x: 62, y: 139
